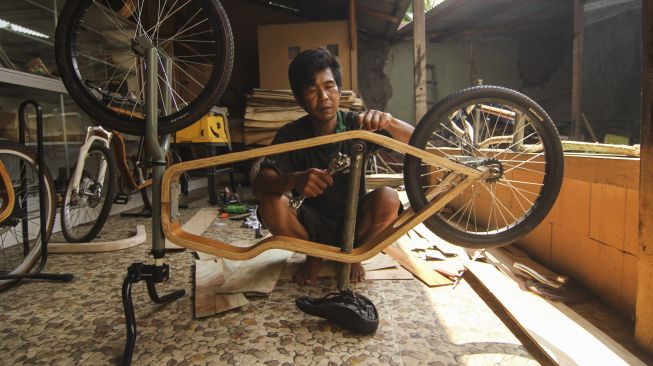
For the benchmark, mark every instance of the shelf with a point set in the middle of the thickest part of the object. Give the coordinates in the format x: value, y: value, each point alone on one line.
x: 31, y: 80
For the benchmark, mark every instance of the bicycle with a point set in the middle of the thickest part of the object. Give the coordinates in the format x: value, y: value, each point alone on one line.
x: 90, y: 190
x: 20, y: 218
x: 94, y: 185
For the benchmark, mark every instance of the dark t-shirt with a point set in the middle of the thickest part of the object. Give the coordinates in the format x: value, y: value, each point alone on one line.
x: 332, y: 201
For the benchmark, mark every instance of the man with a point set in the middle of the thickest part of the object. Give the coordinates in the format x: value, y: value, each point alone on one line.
x: 315, y: 80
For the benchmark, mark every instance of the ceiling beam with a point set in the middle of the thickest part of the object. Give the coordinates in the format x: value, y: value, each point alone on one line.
x: 363, y: 9
x: 494, y: 30
x: 401, y: 6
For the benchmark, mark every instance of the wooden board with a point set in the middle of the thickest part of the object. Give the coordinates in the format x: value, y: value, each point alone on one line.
x: 644, y: 310
x: 196, y: 225
x: 379, y: 261
x: 418, y: 267
x: 389, y: 274
x: 442, y: 245
x: 208, y: 276
x: 100, y: 246
x: 258, y: 275
x: 553, y: 325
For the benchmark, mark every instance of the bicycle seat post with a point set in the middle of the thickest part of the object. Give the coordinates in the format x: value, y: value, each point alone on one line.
x: 159, y: 271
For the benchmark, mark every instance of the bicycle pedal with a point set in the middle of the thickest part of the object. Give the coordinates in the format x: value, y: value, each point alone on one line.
x: 121, y: 198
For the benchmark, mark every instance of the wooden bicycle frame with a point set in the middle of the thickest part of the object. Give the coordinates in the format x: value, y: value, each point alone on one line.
x: 6, y: 192
x: 409, y: 219
x: 120, y: 155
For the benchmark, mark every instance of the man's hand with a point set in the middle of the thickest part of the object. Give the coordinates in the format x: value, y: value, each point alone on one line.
x: 312, y: 182
x: 373, y: 120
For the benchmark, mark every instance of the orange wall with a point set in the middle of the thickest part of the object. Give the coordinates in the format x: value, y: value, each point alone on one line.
x: 591, y: 234
x: 274, y: 40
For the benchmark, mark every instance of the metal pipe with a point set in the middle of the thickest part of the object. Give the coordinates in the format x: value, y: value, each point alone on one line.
x: 154, y: 150
x: 349, y: 226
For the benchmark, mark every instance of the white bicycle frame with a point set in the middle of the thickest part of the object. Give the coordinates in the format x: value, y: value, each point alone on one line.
x: 93, y: 134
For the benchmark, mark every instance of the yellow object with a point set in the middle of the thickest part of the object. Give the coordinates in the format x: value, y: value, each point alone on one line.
x: 615, y: 139
x: 210, y: 128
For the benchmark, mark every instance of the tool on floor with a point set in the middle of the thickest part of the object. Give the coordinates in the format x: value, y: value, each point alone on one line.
x: 556, y: 288
x: 252, y: 222
x: 556, y: 282
x: 235, y: 209
x: 337, y: 164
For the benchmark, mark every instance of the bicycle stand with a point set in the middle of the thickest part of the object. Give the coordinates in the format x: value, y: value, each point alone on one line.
x: 36, y: 274
x: 159, y: 271
x: 151, y: 274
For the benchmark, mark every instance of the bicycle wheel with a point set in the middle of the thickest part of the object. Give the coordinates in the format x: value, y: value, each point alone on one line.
x: 20, y: 232
x: 86, y: 205
x: 492, y: 129
x: 100, y: 47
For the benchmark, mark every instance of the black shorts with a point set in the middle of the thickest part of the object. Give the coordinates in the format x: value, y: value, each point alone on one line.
x: 327, y: 229
x: 321, y: 228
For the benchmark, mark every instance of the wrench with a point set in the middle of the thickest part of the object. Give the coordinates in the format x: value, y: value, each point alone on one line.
x: 337, y: 164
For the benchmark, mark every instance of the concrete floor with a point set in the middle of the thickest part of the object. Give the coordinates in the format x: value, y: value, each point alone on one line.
x: 82, y: 322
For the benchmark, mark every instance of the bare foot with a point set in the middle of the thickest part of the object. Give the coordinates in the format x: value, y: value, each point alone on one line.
x: 357, y: 273
x: 307, y: 274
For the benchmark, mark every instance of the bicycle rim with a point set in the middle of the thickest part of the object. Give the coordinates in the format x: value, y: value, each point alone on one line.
x: 101, y: 45
x: 20, y: 233
x: 86, y: 205
x: 504, y: 134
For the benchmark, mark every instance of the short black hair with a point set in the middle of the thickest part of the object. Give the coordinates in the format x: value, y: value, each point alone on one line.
x: 304, y: 66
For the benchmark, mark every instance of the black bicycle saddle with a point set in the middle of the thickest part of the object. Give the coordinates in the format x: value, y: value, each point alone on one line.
x: 351, y: 311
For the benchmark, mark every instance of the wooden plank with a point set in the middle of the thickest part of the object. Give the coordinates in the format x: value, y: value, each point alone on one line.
x: 575, y: 200
x: 379, y: 261
x: 449, y: 267
x: 629, y: 284
x: 196, y: 225
x: 614, y: 206
x: 442, y: 245
x: 258, y: 275
x: 434, y: 254
x: 100, y: 246
x: 538, y: 242
x: 607, y: 218
x: 419, y: 268
x: 616, y: 171
x: 208, y: 276
x: 631, y: 229
x: 597, y: 215
x: 564, y: 257
x: 644, y: 313
x: 398, y: 273
x: 610, y: 262
x: 545, y: 321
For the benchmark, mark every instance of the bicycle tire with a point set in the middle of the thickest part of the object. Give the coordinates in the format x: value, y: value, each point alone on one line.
x: 91, y: 63
x: 16, y: 159
x: 490, y: 128
x: 85, y: 211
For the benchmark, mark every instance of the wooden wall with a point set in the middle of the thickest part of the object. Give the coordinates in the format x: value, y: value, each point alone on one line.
x: 591, y: 234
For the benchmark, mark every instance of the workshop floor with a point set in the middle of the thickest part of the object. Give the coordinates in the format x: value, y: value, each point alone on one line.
x: 82, y: 322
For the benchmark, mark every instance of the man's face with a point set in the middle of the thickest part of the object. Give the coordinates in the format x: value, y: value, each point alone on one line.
x: 322, y: 99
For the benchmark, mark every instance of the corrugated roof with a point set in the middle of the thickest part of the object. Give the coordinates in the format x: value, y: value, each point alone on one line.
x: 377, y: 17
x: 462, y: 17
